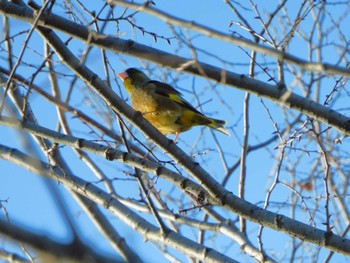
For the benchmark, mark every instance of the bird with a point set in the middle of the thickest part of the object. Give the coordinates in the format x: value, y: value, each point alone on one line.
x: 163, y: 106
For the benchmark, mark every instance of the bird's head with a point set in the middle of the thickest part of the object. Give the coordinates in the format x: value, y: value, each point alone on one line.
x: 133, y: 76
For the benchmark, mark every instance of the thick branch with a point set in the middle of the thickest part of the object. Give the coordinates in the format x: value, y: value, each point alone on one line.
x: 271, y: 92
x: 125, y: 214
x: 51, y: 249
x: 210, y: 32
x: 132, y: 48
x: 233, y: 203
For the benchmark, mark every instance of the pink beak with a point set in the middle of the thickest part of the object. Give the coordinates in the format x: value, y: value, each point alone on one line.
x: 123, y: 75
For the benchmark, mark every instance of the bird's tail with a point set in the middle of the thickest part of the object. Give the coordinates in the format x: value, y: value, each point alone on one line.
x: 218, y: 125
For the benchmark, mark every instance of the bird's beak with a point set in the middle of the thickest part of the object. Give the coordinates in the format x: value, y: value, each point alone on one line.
x: 123, y: 75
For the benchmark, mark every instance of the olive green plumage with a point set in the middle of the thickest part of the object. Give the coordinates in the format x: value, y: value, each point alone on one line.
x: 163, y: 106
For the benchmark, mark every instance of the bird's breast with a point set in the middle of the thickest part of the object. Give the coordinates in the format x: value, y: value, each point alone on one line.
x: 160, y: 112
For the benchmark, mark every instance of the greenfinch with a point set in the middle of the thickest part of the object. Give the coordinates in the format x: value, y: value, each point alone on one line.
x: 163, y: 106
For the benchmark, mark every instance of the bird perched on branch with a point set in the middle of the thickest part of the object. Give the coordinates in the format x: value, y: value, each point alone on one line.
x: 163, y: 106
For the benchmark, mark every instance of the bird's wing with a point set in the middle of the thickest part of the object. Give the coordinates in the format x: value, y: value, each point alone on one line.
x: 168, y: 91
x: 162, y: 88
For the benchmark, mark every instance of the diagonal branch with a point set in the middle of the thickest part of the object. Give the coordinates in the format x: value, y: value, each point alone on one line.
x: 215, y: 189
x: 217, y: 192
